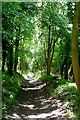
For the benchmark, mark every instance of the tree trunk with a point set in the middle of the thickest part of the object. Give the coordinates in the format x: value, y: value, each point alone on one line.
x: 62, y: 67
x: 10, y: 62
x: 3, y: 54
x: 16, y: 48
x: 50, y: 50
x: 66, y: 68
x: 16, y: 55
x: 48, y: 53
x: 3, y: 59
x: 75, y: 61
x: 48, y: 67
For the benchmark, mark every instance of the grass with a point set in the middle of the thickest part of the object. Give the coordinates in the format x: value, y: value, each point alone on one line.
x: 11, y: 86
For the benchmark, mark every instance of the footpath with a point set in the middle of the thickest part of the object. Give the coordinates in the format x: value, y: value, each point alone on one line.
x: 35, y: 103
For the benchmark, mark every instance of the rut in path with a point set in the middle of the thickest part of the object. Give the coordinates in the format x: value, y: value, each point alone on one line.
x: 35, y: 103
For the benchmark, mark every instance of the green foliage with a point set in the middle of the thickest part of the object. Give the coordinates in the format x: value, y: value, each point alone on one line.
x: 70, y: 9
x: 47, y: 78
x: 21, y: 21
x: 11, y: 86
x: 67, y: 92
x: 27, y: 25
x: 57, y: 43
x: 18, y: 30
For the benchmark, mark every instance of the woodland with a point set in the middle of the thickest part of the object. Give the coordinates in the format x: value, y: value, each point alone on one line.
x: 41, y: 40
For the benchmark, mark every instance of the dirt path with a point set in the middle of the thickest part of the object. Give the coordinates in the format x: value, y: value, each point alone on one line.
x: 35, y: 103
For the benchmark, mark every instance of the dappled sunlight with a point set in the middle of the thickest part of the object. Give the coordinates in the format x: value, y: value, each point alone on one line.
x: 45, y: 107
x: 72, y: 85
x: 56, y: 113
x: 27, y: 106
x: 54, y: 108
x: 36, y: 103
x: 32, y: 80
x: 29, y: 75
x: 43, y: 101
x: 35, y: 88
x: 14, y: 116
x: 40, y: 59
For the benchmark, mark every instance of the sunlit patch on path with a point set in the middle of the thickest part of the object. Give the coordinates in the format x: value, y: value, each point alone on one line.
x: 35, y: 103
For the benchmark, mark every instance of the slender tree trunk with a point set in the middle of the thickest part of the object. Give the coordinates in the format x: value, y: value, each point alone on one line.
x: 66, y: 68
x: 62, y: 70
x: 16, y: 48
x: 75, y: 61
x: 48, y: 53
x: 62, y: 67
x: 16, y: 55
x: 10, y: 63
x: 3, y: 59
x: 3, y: 54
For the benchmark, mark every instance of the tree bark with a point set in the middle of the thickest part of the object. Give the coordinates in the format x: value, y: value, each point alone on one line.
x: 4, y: 54
x: 48, y: 53
x: 50, y: 50
x: 75, y: 61
x: 16, y: 49
x: 10, y: 62
x: 16, y: 55
x: 66, y: 68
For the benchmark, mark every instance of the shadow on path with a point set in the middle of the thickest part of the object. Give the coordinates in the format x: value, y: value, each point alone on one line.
x: 35, y: 103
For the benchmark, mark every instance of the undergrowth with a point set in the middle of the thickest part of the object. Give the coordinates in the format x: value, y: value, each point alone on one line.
x: 66, y: 91
x: 49, y: 79
x: 11, y: 86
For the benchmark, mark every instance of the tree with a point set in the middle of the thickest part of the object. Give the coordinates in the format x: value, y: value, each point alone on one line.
x: 75, y: 60
x: 53, y: 26
x: 17, y: 23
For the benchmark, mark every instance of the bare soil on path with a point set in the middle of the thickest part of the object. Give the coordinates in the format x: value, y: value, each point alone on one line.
x: 35, y: 103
